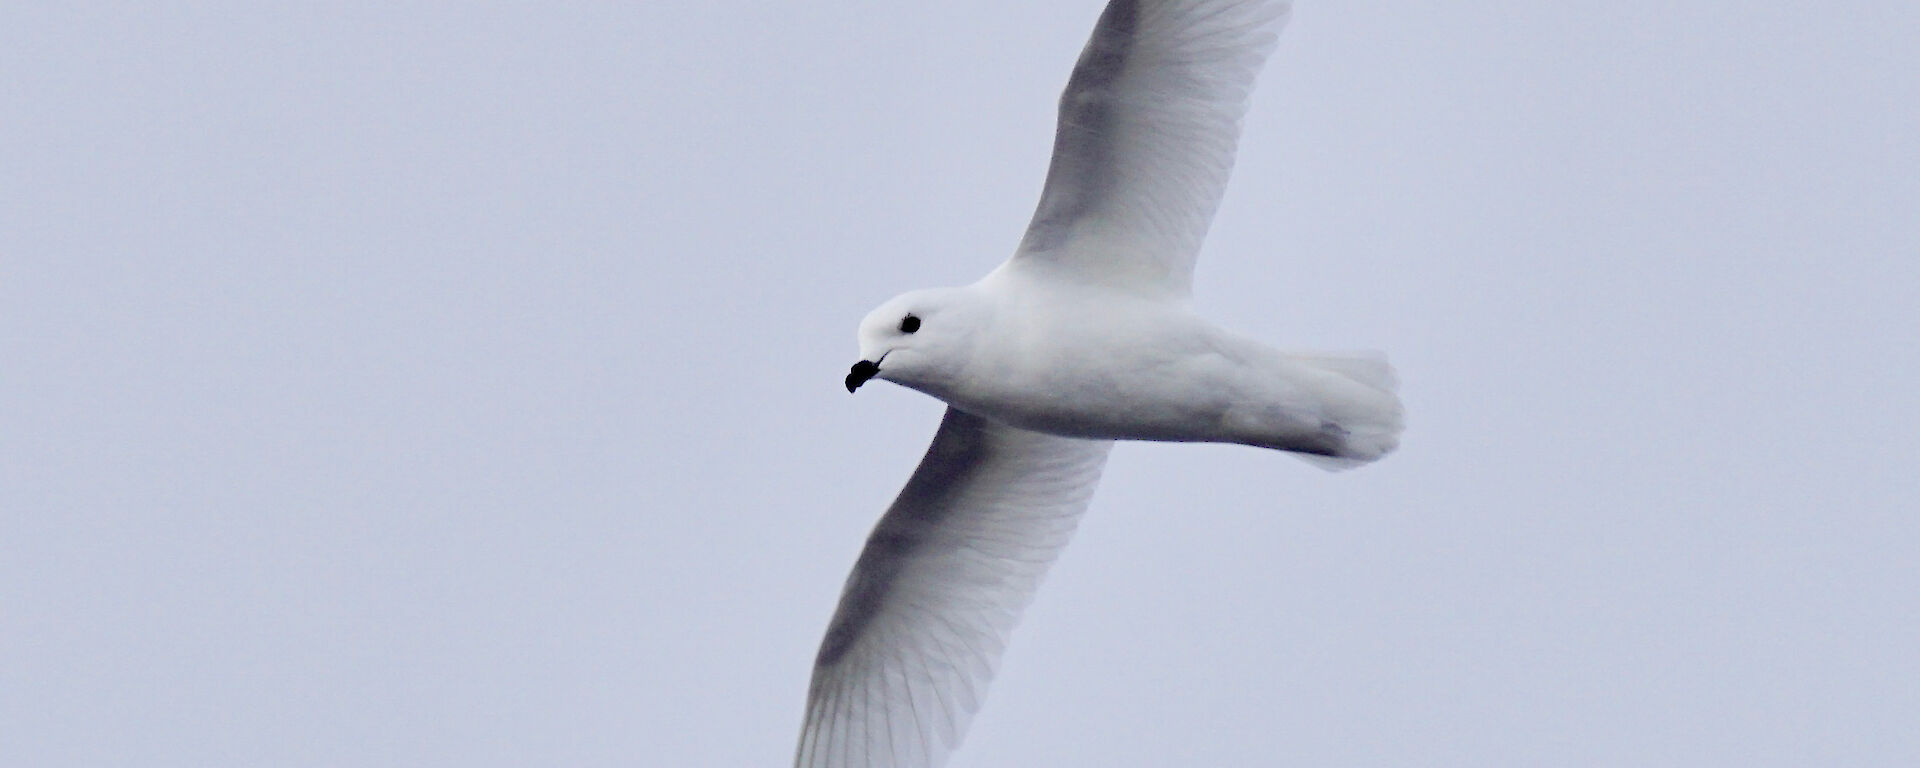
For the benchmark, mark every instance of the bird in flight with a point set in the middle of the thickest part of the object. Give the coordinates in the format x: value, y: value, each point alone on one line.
x: 1085, y: 336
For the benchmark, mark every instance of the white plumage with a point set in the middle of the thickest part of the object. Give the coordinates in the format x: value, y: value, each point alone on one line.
x: 1083, y: 337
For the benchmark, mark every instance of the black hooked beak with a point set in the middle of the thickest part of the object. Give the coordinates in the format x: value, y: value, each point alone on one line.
x: 862, y: 371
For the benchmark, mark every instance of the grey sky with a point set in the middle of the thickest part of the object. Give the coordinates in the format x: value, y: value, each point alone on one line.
x: 393, y: 385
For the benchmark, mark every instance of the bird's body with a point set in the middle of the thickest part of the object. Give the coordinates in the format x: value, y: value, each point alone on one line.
x: 1085, y: 336
x: 1084, y: 360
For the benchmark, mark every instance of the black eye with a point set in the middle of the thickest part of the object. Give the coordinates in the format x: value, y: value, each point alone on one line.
x: 909, y: 324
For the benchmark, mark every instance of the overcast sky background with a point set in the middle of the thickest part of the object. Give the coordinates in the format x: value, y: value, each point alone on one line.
x: 411, y: 384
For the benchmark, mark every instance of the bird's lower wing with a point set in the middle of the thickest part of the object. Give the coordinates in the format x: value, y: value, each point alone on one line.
x: 942, y: 580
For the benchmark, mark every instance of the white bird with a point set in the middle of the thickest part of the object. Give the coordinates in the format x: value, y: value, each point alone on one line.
x: 1083, y: 337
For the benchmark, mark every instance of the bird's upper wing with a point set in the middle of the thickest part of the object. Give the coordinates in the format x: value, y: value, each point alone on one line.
x: 1148, y: 126
x: 942, y: 581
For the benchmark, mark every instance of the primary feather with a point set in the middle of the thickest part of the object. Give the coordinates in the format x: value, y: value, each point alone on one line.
x: 1149, y: 124
x: 943, y: 578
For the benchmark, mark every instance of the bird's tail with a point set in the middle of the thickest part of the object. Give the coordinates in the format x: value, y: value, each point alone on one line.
x: 1359, y: 396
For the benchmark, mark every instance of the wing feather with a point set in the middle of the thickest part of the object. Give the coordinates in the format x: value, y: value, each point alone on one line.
x: 940, y: 584
x: 1148, y: 127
